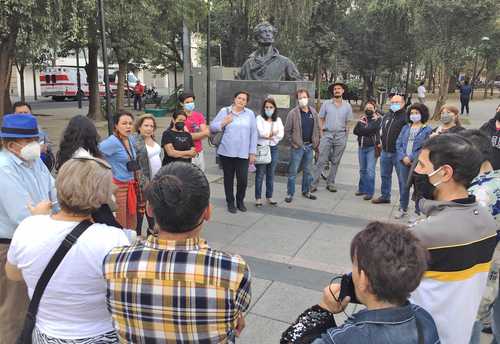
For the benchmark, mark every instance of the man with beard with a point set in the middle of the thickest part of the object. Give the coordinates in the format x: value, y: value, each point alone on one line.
x: 333, y: 117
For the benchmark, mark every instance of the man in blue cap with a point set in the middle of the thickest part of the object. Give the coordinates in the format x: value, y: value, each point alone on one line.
x: 26, y: 188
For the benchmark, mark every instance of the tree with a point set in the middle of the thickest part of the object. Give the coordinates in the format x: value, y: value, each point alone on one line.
x: 80, y: 28
x: 129, y: 26
x: 17, y: 16
x: 448, y: 28
x: 31, y: 48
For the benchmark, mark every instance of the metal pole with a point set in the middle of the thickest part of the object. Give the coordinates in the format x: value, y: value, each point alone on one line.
x: 78, y: 79
x: 208, y: 61
x: 186, y: 47
x: 105, y: 62
x: 220, y: 54
x: 34, y: 81
x: 128, y: 90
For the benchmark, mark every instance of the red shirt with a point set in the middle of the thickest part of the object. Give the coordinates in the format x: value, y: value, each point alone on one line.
x: 139, y: 89
x: 193, y: 124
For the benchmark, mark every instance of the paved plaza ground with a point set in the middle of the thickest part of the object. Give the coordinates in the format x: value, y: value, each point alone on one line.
x: 294, y: 249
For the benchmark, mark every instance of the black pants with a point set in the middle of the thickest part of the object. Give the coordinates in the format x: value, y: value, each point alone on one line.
x: 232, y: 166
x: 464, y: 104
x: 137, y: 102
x: 140, y: 218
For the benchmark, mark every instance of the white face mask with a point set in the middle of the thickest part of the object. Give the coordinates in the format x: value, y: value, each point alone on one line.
x: 303, y: 102
x: 31, y: 151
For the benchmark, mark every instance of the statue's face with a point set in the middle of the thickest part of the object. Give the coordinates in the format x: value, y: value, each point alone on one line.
x: 265, y: 35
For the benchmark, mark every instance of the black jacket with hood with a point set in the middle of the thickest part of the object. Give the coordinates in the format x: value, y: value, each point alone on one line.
x: 392, y: 123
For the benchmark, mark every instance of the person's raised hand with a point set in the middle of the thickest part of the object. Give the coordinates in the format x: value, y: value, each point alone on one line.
x: 228, y: 119
x: 330, y: 303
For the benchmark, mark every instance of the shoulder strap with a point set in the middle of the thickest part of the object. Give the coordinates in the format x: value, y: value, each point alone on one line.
x: 125, y: 147
x: 54, y: 262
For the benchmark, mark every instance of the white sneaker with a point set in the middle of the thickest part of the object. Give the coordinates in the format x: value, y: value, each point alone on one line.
x: 402, y: 213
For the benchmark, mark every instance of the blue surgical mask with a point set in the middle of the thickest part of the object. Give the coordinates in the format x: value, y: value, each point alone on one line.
x: 268, y: 112
x: 395, y: 107
x: 415, y: 117
x: 189, y: 106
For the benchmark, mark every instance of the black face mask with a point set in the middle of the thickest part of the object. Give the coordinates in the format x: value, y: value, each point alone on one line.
x: 369, y: 113
x: 179, y: 125
x: 497, y: 116
x: 423, y: 187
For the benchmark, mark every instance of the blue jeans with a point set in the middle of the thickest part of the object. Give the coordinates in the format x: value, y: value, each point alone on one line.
x: 300, y: 156
x: 388, y: 161
x: 404, y: 191
x: 268, y: 171
x: 367, y: 162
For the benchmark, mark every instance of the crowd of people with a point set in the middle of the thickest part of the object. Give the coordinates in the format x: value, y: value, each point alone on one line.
x: 78, y: 263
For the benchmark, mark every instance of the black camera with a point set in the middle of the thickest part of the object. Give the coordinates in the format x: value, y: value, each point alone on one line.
x: 347, y: 289
x: 133, y: 165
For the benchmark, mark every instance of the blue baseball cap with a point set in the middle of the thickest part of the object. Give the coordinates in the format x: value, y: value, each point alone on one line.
x: 19, y: 126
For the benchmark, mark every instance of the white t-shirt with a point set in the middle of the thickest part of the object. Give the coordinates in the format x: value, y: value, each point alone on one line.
x: 154, y: 158
x: 74, y: 302
x: 421, y: 91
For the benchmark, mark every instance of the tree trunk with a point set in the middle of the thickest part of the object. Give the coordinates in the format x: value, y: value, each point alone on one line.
x: 452, y: 82
x: 491, y: 65
x: 444, y: 79
x: 7, y: 52
x: 95, y: 112
x: 318, y: 83
x: 34, y: 82
x: 20, y: 69
x: 122, y: 72
x: 430, y: 76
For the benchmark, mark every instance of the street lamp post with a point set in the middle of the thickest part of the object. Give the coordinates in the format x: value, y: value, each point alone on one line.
x: 78, y: 79
x: 105, y: 63
x: 208, y: 61
x: 220, y: 54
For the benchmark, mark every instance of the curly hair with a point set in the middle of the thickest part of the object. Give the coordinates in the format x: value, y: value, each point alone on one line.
x: 80, y: 133
x: 424, y: 111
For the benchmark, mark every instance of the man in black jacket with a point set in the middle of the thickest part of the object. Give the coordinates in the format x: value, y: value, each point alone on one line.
x: 492, y: 129
x: 392, y: 123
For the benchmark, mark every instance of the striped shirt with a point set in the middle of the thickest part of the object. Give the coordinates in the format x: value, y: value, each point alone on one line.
x: 163, y: 291
x: 461, y: 238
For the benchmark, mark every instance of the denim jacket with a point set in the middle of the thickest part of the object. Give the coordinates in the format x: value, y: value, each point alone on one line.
x: 402, y: 142
x: 384, y: 326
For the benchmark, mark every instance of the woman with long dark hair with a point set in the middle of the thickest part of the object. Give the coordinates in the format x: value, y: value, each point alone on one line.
x: 270, y: 132
x: 80, y: 133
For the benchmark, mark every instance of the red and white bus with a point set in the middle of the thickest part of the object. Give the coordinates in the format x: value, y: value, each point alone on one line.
x: 61, y: 82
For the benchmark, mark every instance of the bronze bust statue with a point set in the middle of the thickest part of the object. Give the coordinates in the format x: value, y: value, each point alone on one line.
x: 266, y: 63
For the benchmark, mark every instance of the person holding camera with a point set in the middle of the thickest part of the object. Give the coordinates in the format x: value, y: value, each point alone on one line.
x: 118, y: 150
x: 388, y: 262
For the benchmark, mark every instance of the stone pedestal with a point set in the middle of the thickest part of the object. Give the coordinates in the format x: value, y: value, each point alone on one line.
x: 283, y: 93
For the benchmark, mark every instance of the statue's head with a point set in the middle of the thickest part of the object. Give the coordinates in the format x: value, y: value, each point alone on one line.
x: 264, y: 33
